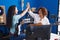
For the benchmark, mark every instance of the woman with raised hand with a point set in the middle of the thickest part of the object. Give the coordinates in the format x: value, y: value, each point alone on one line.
x: 12, y: 18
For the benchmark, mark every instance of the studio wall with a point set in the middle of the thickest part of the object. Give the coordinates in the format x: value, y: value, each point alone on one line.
x: 51, y: 5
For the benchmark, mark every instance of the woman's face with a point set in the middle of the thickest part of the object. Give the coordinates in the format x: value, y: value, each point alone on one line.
x: 16, y: 10
x: 40, y: 13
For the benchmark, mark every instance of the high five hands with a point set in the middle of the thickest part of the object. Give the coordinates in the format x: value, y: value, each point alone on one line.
x: 28, y: 5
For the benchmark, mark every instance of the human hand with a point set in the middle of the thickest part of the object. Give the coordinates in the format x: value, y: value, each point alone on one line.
x: 30, y: 24
x: 22, y: 22
x: 28, y: 5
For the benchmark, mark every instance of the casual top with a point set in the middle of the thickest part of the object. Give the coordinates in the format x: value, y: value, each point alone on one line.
x: 14, y: 22
x: 36, y: 17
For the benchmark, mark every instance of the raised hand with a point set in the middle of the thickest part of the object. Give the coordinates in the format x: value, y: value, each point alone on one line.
x: 28, y: 5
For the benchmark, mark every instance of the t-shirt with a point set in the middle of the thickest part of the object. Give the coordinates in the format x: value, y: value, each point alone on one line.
x: 14, y: 22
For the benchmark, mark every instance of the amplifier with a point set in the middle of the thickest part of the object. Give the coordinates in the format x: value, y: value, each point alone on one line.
x: 2, y: 15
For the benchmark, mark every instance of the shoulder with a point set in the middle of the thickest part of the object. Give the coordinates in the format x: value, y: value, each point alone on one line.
x: 45, y: 18
x: 16, y: 16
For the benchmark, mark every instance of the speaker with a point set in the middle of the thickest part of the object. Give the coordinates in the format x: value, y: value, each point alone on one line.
x: 2, y: 15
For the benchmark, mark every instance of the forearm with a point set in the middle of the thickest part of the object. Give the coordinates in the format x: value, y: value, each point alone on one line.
x: 39, y: 24
x: 24, y: 12
x: 31, y: 13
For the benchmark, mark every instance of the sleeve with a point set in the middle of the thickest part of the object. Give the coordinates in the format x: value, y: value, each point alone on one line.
x: 45, y: 22
x: 18, y: 16
x: 31, y: 14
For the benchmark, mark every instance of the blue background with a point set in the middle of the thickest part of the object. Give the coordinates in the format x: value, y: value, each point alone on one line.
x: 51, y: 5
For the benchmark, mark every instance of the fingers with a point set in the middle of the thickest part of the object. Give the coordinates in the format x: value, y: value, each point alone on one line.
x: 22, y: 22
x: 31, y: 24
x: 28, y: 5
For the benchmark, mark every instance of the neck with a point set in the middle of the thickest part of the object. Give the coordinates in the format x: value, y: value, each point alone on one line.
x: 41, y: 17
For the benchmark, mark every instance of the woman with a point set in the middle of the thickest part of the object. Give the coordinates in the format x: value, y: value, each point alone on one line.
x: 40, y: 18
x: 12, y: 17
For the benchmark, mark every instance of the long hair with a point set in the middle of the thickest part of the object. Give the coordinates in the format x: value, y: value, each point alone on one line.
x: 11, y: 12
x: 44, y: 11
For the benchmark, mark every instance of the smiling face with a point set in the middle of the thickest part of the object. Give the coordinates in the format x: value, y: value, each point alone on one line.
x: 40, y: 13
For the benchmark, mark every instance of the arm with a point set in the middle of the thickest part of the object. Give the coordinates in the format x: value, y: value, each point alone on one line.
x: 38, y: 24
x: 24, y: 12
x: 45, y: 21
x: 31, y: 13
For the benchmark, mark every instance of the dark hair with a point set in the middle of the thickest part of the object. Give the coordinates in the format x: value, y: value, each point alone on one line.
x: 11, y: 12
x: 1, y: 11
x: 44, y: 11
